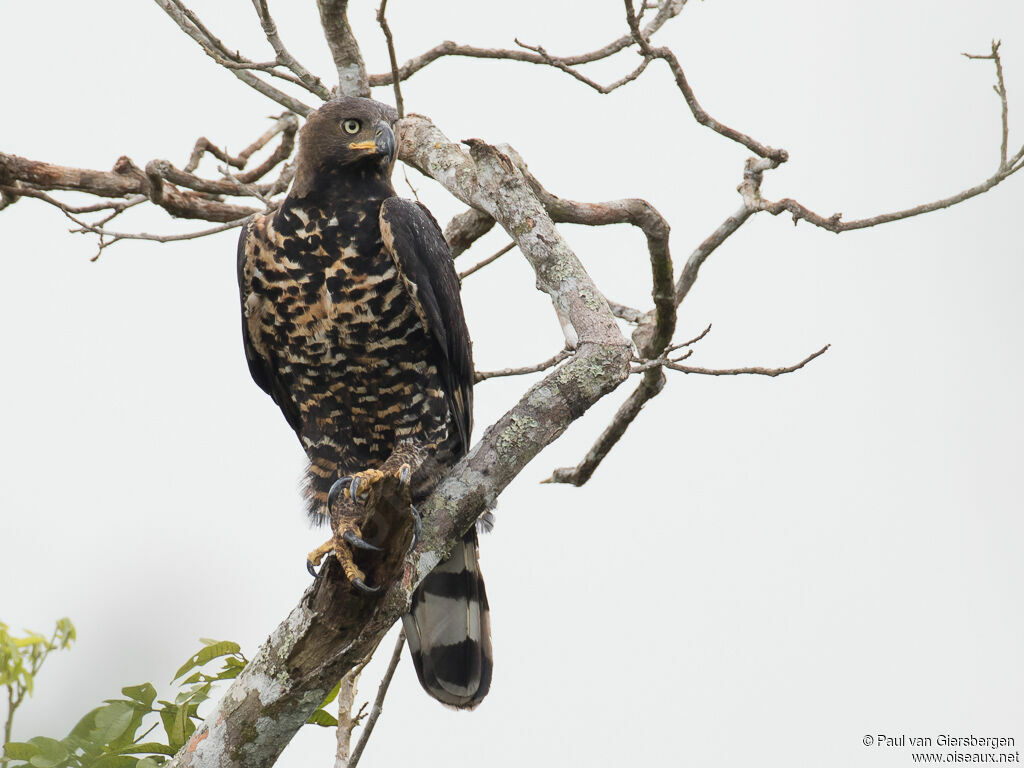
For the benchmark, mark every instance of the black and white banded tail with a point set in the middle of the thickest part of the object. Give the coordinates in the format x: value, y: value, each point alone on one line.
x: 449, y: 630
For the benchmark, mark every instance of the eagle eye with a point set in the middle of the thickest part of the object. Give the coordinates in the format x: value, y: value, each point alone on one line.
x: 351, y: 126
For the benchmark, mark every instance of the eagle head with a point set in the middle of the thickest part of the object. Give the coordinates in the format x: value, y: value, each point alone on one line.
x: 348, y: 132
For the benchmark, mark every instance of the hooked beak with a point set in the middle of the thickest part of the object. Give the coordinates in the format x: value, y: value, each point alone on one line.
x: 385, y: 143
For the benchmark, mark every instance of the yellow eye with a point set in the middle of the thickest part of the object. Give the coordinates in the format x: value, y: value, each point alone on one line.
x: 351, y: 126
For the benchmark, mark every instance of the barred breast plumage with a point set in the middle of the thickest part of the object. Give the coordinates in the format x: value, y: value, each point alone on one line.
x: 352, y: 322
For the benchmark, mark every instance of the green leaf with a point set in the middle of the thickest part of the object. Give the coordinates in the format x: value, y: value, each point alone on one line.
x: 128, y: 736
x: 331, y: 696
x: 209, y: 653
x: 51, y: 752
x: 16, y: 750
x: 229, y: 673
x: 80, y: 735
x: 144, y: 693
x: 111, y: 721
x: 146, y: 762
x: 167, y: 718
x: 320, y: 717
x: 179, y: 726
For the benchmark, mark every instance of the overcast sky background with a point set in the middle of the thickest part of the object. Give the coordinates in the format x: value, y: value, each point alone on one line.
x: 762, y: 571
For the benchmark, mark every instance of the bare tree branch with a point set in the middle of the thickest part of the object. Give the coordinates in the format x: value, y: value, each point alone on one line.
x: 543, y: 366
x: 465, y: 229
x: 347, y: 721
x: 378, y: 702
x: 667, y: 9
x: 602, y: 89
x: 645, y: 365
x: 285, y: 124
x: 834, y: 223
x: 624, y: 416
x: 699, y: 114
x: 654, y: 330
x: 489, y: 260
x: 396, y: 84
x: 190, y: 24
x: 348, y: 60
x: 306, y: 78
x: 700, y: 254
x: 1000, y: 89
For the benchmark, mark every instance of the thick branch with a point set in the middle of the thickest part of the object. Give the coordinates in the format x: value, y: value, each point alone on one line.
x: 654, y: 330
x: 465, y: 229
x: 348, y: 59
x: 125, y: 180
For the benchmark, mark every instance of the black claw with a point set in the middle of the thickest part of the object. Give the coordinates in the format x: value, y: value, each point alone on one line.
x: 417, y: 527
x: 358, y: 543
x: 311, y: 569
x: 338, y: 487
x: 353, y: 489
x: 363, y: 587
x: 403, y: 478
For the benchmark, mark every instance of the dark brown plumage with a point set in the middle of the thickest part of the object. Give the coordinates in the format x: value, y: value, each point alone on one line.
x: 353, y: 324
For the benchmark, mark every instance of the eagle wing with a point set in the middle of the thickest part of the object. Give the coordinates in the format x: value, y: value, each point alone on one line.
x: 414, y: 240
x: 262, y: 364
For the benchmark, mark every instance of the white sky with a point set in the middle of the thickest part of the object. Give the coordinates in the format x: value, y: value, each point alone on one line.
x: 762, y: 572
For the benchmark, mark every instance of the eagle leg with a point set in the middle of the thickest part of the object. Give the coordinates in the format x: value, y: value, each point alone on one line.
x: 366, y: 487
x: 365, y: 520
x: 314, y: 558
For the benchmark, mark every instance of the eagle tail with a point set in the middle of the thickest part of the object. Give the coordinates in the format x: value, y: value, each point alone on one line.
x: 449, y: 630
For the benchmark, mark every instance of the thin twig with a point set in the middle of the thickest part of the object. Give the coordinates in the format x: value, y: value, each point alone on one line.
x: 1000, y: 89
x: 602, y: 89
x: 667, y: 9
x: 189, y: 23
x: 306, y: 78
x: 835, y: 224
x: 382, y: 20
x: 106, y: 205
x: 550, y: 362
x: 485, y: 262
x: 699, y: 114
x: 286, y: 124
x: 162, y: 238
x: 378, y: 702
x: 645, y: 365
